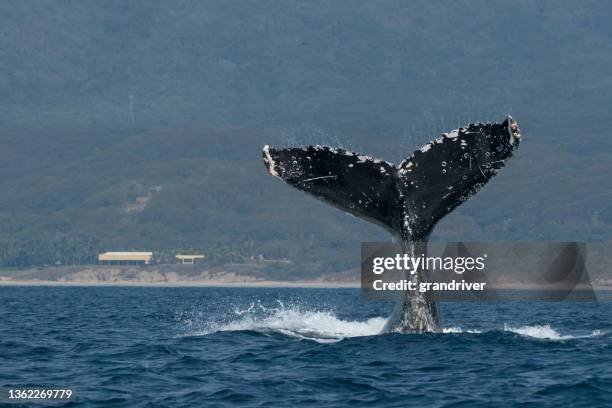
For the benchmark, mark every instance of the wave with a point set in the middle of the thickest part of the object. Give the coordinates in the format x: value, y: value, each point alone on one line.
x: 546, y: 332
x: 543, y: 332
x: 326, y: 327
x: 455, y: 329
x: 320, y: 326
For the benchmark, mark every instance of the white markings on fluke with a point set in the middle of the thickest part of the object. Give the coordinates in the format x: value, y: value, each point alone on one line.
x: 269, y: 161
x: 318, y: 178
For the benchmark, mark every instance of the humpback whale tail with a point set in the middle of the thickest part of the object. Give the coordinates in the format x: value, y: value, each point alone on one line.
x: 408, y: 199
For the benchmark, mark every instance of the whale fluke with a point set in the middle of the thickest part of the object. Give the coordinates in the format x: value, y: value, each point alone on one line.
x: 358, y: 184
x: 408, y: 199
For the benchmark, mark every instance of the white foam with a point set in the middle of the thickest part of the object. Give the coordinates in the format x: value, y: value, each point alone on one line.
x: 325, y: 327
x: 546, y: 332
x: 455, y: 329
x: 321, y: 326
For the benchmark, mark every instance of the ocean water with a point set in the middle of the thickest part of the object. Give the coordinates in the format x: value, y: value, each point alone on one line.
x: 225, y: 347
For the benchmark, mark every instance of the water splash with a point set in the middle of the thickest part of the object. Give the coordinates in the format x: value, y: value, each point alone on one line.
x: 547, y: 333
x: 293, y: 321
x: 543, y: 332
x: 455, y: 329
x: 324, y: 326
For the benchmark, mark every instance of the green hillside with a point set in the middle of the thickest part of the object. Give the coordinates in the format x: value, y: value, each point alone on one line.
x: 139, y: 125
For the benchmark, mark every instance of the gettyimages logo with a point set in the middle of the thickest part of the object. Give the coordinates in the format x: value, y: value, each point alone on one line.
x: 476, y: 271
x: 413, y: 264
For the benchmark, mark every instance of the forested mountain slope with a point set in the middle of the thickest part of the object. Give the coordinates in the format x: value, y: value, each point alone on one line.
x: 139, y: 125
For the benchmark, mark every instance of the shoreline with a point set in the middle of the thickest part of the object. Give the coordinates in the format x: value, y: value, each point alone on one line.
x: 218, y: 284
x: 226, y: 284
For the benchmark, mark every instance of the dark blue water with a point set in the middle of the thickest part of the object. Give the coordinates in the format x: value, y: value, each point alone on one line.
x: 184, y: 347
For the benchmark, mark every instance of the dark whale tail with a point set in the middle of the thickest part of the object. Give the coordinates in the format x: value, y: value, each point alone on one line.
x: 408, y: 199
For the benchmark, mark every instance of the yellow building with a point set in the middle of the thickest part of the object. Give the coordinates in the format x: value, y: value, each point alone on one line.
x: 125, y: 258
x: 189, y: 259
